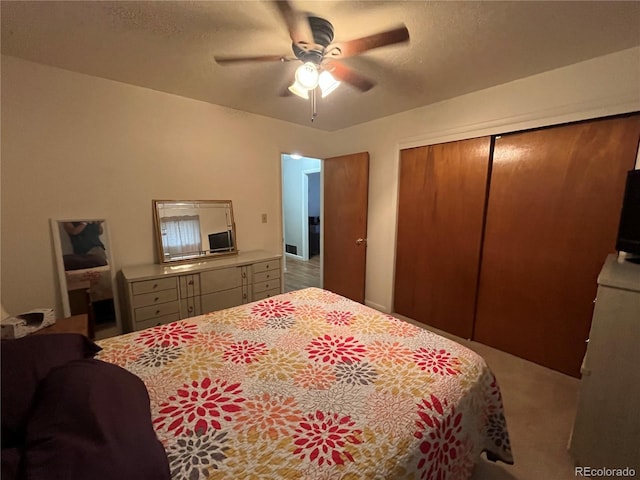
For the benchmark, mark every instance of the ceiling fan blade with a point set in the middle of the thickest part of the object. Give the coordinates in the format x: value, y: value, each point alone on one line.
x: 261, y: 58
x: 359, y: 45
x: 297, y: 24
x: 288, y: 78
x: 347, y: 75
x: 285, y: 92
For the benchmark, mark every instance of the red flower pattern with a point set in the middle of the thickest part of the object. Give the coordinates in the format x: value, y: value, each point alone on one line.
x: 273, y: 308
x: 170, y: 335
x: 437, y: 361
x: 339, y: 318
x: 439, y: 432
x: 324, y: 436
x: 338, y: 349
x: 196, y: 407
x: 244, y: 352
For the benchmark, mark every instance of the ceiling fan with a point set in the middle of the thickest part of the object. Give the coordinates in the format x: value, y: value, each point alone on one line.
x: 312, y: 44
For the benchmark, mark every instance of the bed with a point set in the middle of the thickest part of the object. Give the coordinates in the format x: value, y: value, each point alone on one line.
x: 311, y: 385
x: 95, y: 280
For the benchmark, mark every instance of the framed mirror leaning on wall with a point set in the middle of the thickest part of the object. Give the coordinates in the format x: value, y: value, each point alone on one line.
x: 188, y: 230
x: 86, y: 273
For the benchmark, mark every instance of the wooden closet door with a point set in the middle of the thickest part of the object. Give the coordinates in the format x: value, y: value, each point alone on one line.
x: 552, y: 218
x: 442, y: 191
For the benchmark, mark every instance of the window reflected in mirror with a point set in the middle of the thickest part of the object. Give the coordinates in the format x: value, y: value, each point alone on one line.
x: 193, y: 229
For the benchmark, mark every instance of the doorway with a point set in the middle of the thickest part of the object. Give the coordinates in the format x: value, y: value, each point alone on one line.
x: 302, y: 221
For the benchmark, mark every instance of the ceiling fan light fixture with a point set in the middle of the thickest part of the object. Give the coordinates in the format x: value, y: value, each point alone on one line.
x: 327, y: 83
x: 299, y: 90
x: 307, y: 75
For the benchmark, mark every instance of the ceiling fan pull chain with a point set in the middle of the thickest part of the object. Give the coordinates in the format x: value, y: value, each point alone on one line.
x: 314, y: 113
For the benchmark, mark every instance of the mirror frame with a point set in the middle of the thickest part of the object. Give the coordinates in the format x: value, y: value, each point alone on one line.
x: 63, y: 291
x: 203, y: 254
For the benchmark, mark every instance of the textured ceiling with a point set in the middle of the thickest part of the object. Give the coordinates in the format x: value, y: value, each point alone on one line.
x: 455, y: 47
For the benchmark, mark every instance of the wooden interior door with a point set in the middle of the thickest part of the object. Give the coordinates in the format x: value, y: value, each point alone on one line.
x: 442, y: 192
x: 552, y: 218
x: 346, y: 193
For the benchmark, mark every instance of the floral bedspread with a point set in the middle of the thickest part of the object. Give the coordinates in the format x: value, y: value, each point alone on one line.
x: 96, y: 279
x: 310, y: 385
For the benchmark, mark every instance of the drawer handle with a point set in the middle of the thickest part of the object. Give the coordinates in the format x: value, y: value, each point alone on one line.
x: 266, y: 285
x: 156, y: 299
x: 157, y: 312
x: 155, y: 285
x: 268, y: 276
x: 244, y: 296
x: 244, y: 274
x: 267, y: 266
x: 190, y: 309
x: 190, y: 282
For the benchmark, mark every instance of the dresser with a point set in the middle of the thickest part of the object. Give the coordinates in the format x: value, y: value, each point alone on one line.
x: 606, y: 432
x: 157, y: 294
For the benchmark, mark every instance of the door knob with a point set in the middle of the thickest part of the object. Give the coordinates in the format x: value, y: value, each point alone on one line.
x: 361, y: 241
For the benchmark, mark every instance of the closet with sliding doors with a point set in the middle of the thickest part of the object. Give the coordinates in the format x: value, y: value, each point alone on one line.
x: 500, y: 239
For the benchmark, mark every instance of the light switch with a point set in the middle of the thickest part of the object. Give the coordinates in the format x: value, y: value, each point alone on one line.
x: 264, y: 218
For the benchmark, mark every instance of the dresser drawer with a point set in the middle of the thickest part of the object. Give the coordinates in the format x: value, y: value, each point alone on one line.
x: 268, y: 285
x: 148, y: 286
x: 221, y: 300
x: 154, y: 322
x: 265, y: 294
x: 265, y: 266
x: 265, y: 276
x: 155, y: 298
x: 222, y: 279
x: 160, y: 310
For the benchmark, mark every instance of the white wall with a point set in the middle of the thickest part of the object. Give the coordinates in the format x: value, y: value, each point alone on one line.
x: 293, y: 194
x: 76, y: 146
x: 314, y: 194
x: 603, y: 86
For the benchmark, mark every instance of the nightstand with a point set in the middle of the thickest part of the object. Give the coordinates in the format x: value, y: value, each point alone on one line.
x: 74, y: 324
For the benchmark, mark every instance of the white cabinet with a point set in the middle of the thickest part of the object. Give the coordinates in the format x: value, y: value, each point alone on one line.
x: 158, y: 294
x: 606, y: 432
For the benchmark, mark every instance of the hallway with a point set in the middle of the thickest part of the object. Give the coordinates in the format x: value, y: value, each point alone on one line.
x: 300, y: 274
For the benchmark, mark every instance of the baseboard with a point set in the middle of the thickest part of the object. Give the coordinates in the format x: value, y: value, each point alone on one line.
x: 377, y: 306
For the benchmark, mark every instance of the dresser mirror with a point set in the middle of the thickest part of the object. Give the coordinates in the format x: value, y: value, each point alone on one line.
x: 86, y: 273
x: 189, y: 230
